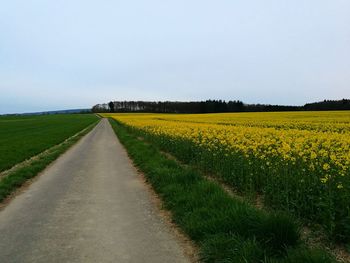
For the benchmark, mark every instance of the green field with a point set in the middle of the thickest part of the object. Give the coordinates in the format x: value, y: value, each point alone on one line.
x: 22, y: 137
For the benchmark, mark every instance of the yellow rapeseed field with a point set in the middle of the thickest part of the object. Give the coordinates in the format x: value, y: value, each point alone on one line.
x: 299, y: 160
x: 321, y: 140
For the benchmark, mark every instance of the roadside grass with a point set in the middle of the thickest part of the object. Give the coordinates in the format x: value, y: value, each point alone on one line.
x: 22, y: 137
x: 225, y: 228
x: 18, y: 177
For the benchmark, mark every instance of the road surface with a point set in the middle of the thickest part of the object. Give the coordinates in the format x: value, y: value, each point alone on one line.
x: 88, y: 206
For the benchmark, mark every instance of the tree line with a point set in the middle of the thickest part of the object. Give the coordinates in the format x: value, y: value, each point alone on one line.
x: 212, y: 106
x: 208, y: 106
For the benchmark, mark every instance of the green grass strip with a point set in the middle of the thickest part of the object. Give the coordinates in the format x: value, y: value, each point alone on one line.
x: 226, y: 229
x: 17, y: 178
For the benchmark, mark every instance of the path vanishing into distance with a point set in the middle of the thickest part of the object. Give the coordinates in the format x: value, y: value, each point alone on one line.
x: 90, y: 205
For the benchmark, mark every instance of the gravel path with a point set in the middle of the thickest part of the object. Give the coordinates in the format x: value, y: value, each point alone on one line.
x: 88, y: 206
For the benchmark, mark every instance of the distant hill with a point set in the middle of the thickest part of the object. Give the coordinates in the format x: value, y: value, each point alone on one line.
x: 71, y: 111
x: 59, y: 112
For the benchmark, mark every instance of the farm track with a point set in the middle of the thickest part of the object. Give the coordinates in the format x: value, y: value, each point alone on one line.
x: 88, y: 206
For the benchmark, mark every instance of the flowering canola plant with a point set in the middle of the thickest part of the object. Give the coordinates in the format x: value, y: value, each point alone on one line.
x: 300, y: 161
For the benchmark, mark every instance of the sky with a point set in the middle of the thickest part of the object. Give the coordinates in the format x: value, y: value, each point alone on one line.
x: 68, y: 54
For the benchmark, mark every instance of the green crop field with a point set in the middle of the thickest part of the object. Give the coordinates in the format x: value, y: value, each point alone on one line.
x: 22, y: 137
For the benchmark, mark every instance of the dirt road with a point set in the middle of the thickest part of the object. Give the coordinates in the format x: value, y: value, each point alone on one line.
x: 89, y: 206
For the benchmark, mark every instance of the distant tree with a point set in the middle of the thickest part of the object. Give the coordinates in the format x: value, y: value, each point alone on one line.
x: 211, y: 106
x: 111, y: 106
x: 343, y: 104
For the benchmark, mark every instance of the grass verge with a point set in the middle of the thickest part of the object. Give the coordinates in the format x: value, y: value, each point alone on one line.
x: 18, y: 177
x: 226, y: 229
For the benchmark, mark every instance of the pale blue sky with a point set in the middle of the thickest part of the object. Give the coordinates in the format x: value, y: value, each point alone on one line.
x: 74, y: 53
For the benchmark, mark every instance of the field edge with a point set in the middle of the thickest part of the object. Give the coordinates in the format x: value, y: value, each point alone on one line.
x: 19, y: 175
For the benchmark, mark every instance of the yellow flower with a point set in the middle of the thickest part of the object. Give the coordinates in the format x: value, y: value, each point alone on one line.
x: 313, y: 155
x: 326, y: 167
x: 317, y: 140
x: 324, y: 179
